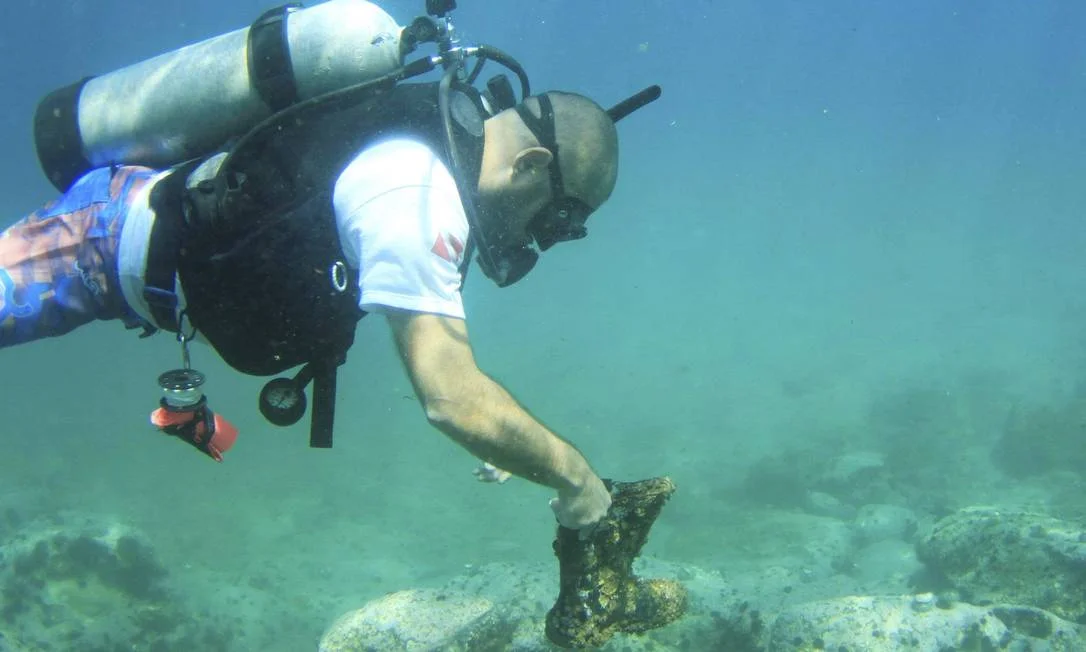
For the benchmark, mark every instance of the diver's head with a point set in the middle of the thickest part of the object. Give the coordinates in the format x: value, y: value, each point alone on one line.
x: 548, y: 163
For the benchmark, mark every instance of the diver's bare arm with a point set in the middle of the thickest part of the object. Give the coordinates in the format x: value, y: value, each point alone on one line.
x: 474, y: 410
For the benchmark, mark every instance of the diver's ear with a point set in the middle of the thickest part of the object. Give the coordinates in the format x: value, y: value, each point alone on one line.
x: 532, y: 160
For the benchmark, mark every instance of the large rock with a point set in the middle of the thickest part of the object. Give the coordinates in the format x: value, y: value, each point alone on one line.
x: 994, y: 555
x: 496, y: 607
x: 418, y: 620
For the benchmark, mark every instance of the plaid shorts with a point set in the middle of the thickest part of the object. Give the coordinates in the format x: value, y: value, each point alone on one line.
x: 58, y: 265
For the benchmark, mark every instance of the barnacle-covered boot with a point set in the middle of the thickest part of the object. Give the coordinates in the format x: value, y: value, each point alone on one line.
x: 599, y: 595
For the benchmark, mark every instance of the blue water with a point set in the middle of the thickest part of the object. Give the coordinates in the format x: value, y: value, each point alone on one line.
x: 833, y: 205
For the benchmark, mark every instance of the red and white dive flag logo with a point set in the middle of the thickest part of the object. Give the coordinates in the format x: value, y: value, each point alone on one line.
x: 448, y: 247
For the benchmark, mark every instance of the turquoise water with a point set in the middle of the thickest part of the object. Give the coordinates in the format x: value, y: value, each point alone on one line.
x: 844, y: 227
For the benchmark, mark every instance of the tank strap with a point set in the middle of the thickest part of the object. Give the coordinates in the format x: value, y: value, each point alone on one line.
x: 270, y: 69
x: 160, y: 276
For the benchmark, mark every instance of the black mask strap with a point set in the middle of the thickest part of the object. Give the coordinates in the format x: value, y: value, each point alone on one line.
x: 543, y: 130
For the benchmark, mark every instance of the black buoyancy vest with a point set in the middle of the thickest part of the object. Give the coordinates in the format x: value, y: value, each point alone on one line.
x: 264, y: 277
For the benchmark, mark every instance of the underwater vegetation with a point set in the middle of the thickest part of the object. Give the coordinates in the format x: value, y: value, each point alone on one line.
x: 94, y: 586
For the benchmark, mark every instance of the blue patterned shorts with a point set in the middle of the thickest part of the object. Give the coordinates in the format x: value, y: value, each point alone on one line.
x: 58, y: 265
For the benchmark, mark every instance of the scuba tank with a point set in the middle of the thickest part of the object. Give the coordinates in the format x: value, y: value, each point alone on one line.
x: 186, y: 103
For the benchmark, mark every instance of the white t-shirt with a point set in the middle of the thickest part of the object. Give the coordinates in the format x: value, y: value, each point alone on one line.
x: 401, y: 225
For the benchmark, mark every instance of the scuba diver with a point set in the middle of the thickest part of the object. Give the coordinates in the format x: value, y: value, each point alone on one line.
x: 265, y: 210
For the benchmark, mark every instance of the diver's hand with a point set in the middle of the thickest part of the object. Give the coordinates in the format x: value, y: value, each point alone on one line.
x: 582, y: 508
x: 490, y: 473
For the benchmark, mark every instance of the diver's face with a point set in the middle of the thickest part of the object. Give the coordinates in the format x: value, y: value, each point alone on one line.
x: 518, y: 193
x: 563, y: 216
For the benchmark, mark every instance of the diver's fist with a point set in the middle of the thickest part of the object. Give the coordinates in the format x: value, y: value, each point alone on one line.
x: 583, y: 508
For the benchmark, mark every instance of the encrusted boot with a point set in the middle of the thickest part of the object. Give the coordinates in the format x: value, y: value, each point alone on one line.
x: 599, y: 594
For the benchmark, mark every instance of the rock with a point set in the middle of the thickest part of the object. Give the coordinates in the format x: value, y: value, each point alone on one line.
x: 820, y: 503
x: 877, y: 624
x: 874, y: 523
x: 518, y: 598
x: 1008, y: 556
x: 886, y: 566
x: 418, y: 620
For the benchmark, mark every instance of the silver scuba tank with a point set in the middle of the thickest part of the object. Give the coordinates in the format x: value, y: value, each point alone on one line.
x: 189, y: 102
